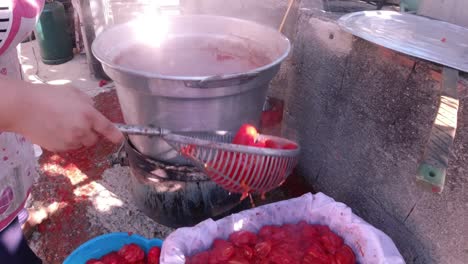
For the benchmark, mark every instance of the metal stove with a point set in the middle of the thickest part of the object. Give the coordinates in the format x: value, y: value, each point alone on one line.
x: 175, y: 195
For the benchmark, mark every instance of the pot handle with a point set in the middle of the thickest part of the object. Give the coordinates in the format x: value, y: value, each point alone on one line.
x: 226, y: 80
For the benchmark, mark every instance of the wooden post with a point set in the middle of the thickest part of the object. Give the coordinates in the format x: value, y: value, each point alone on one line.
x: 434, y: 166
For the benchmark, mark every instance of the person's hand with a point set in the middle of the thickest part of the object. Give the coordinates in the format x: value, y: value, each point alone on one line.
x: 61, y: 118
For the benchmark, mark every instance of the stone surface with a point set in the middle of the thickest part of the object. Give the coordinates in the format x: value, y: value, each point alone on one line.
x: 114, y: 210
x: 74, y: 72
x: 363, y: 114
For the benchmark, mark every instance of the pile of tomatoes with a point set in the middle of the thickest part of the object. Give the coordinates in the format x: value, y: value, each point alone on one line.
x: 248, y: 135
x: 300, y: 243
x: 129, y: 254
x: 241, y: 167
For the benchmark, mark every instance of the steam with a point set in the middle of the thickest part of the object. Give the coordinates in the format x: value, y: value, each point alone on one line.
x: 151, y: 29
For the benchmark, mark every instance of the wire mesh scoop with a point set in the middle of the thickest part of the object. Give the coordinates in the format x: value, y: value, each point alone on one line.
x: 236, y: 168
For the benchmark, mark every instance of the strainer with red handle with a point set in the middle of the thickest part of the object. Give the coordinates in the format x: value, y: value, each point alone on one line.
x: 236, y: 168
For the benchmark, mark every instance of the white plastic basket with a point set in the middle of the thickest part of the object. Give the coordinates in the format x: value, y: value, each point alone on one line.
x: 370, y: 245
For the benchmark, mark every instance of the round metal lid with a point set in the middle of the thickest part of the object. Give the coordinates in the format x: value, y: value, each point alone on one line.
x: 418, y: 36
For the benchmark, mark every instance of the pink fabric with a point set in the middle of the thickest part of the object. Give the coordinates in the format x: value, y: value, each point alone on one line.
x: 18, y: 164
x: 5, y: 199
x: 5, y: 222
x: 21, y: 8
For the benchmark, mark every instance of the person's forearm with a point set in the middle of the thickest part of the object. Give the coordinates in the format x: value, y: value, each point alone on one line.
x: 56, y: 118
x: 12, y: 93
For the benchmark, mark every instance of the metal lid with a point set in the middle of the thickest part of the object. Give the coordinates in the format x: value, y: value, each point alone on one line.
x: 418, y: 36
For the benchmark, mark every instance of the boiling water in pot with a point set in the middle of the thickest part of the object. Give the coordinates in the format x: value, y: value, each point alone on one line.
x: 195, y: 55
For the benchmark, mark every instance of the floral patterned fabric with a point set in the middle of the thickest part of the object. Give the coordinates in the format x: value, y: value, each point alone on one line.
x: 18, y: 164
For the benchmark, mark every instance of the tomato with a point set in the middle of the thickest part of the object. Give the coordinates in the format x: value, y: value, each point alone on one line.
x: 345, y: 255
x: 132, y: 253
x: 266, y: 232
x: 309, y: 259
x: 200, y: 258
x: 188, y: 150
x: 153, y: 255
x: 279, y: 258
x: 299, y: 243
x: 262, y: 249
x: 213, y: 258
x: 243, y: 238
x: 271, y: 144
x: 219, y: 243
x: 113, y: 258
x: 322, y: 229
x: 246, y: 166
x: 102, y: 83
x: 246, y: 135
x: 302, y: 224
x: 234, y: 164
x: 291, y: 229
x: 316, y: 251
x: 278, y: 235
x: 286, y: 248
x: 309, y: 231
x: 289, y: 146
x: 246, y: 252
x: 261, y: 261
x: 331, y: 242
x: 240, y: 256
x: 223, y: 249
x: 238, y: 260
x: 260, y: 144
x: 237, y: 165
x: 94, y: 261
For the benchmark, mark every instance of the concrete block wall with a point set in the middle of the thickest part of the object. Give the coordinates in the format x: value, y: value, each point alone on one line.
x: 363, y: 114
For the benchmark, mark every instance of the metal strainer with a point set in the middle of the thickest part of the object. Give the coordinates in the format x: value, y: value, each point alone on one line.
x: 236, y: 168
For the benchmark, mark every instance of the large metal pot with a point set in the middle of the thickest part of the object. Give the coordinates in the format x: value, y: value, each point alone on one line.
x: 190, y: 73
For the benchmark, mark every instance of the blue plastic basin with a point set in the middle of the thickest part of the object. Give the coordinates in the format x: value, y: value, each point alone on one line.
x: 102, y: 245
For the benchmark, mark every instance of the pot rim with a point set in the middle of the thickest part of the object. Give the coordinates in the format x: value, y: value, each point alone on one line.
x: 152, y: 75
